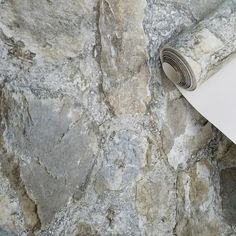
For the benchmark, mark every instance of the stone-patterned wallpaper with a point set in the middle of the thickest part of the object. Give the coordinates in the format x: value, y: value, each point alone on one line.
x: 94, y: 140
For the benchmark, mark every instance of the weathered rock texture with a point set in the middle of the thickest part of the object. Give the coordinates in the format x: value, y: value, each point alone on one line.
x: 93, y: 140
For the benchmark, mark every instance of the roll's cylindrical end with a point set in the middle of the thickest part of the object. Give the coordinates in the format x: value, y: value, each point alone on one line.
x: 171, y: 73
x: 177, y: 69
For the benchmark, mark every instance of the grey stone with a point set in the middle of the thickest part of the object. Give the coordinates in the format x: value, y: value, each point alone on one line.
x: 227, y: 177
x: 94, y: 139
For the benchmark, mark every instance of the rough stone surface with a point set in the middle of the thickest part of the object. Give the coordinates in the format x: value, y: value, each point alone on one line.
x: 94, y: 140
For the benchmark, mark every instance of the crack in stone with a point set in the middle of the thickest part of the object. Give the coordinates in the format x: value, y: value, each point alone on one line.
x: 46, y: 169
x: 98, y: 56
x: 30, y: 121
x: 10, y: 167
x: 174, y: 230
x: 63, y: 135
x: 11, y: 170
x: 80, y: 192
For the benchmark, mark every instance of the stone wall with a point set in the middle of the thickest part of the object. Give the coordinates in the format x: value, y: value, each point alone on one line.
x: 94, y: 140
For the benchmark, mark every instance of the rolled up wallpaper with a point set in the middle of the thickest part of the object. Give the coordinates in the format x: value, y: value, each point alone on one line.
x: 202, y: 63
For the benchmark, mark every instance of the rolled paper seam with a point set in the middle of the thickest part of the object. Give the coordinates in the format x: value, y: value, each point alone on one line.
x: 196, y: 54
x: 177, y: 68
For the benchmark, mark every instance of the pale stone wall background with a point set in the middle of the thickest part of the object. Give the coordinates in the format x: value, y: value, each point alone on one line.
x: 94, y: 140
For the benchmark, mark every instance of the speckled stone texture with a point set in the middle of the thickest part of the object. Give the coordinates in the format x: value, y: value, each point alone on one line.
x: 94, y: 140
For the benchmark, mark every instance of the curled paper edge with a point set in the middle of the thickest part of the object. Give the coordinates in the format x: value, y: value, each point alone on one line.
x: 215, y: 99
x: 178, y: 68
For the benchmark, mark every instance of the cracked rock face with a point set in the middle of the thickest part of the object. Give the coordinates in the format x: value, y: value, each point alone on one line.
x: 94, y: 139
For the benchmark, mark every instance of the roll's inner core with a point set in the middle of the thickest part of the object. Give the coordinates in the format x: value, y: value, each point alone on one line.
x: 177, y: 69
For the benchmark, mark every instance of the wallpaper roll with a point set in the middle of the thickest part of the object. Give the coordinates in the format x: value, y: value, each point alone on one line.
x: 202, y: 63
x: 195, y: 55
